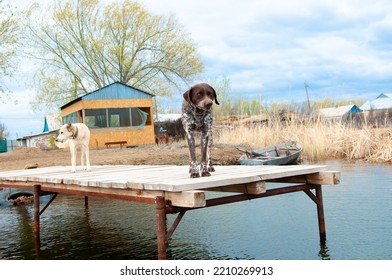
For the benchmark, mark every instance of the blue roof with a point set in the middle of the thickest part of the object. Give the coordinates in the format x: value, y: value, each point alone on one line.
x: 116, y: 90
x: 46, y: 126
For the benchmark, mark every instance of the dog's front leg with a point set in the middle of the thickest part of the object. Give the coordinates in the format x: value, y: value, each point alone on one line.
x: 204, y: 148
x: 193, y: 168
x: 209, y: 147
x: 85, y: 156
x: 82, y: 154
x: 72, y: 149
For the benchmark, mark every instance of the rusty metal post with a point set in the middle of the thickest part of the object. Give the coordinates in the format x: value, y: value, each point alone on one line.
x: 320, y: 214
x: 161, y: 227
x: 37, y: 191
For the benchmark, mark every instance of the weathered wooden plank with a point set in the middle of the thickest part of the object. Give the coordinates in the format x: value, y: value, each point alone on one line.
x: 108, y: 176
x: 320, y: 178
x: 25, y: 174
x: 238, y: 175
x: 190, y: 199
x: 250, y: 188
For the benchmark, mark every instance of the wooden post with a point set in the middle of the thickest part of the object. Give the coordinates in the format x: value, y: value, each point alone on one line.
x: 320, y: 214
x: 37, y: 191
x: 86, y: 201
x: 161, y: 227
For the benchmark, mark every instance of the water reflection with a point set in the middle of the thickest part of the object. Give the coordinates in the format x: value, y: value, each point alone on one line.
x: 324, y: 251
x: 25, y: 234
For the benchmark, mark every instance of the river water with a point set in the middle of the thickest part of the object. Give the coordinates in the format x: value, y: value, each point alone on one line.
x: 358, y: 216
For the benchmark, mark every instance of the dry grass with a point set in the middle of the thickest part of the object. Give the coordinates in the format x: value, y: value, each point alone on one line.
x: 320, y: 139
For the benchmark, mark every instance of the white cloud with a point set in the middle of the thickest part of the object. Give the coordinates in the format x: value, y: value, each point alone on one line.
x: 271, y: 42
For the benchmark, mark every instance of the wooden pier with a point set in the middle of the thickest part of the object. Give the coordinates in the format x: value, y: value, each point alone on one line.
x: 171, y: 189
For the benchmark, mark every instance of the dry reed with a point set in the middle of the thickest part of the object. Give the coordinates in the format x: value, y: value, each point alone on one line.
x: 320, y: 139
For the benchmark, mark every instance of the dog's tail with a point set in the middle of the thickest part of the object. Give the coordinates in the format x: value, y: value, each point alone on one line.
x: 62, y: 145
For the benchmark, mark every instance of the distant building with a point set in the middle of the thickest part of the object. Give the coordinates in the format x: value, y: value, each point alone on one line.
x: 43, y: 140
x: 52, y: 122
x: 114, y: 113
x: 339, y: 112
x: 168, y: 117
x: 40, y: 140
x: 382, y: 102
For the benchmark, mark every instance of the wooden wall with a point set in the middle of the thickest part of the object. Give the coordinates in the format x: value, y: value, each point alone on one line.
x: 133, y: 136
x: 96, y: 104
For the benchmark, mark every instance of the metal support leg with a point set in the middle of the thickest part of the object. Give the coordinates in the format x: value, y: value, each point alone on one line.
x: 320, y: 214
x: 37, y: 191
x: 47, y: 205
x: 161, y: 227
x: 175, y: 224
x: 318, y: 199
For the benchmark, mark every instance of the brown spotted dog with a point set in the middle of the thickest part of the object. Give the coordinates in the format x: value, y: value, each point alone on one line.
x: 197, y: 116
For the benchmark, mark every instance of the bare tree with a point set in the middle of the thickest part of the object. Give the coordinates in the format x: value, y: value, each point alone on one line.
x: 83, y: 45
x: 9, y: 38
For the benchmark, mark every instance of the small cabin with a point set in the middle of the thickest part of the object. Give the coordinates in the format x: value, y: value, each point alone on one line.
x: 340, y: 112
x: 114, y: 113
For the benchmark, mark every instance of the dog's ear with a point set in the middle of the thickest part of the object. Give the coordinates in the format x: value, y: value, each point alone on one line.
x: 215, y: 97
x: 69, y: 127
x: 187, y: 95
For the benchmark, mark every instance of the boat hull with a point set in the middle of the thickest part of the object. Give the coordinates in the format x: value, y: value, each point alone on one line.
x: 281, y: 154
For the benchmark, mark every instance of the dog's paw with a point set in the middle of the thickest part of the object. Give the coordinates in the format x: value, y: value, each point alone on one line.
x: 194, y: 170
x: 195, y: 175
x: 211, y: 168
x: 86, y: 167
x: 204, y: 169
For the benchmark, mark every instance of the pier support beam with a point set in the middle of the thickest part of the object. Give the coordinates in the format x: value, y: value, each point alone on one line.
x: 37, y: 192
x: 318, y: 199
x: 320, y: 214
x: 161, y: 227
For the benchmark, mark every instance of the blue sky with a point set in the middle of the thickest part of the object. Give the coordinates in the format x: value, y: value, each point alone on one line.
x: 342, y: 49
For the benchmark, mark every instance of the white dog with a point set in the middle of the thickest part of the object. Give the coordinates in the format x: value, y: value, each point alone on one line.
x: 73, y: 135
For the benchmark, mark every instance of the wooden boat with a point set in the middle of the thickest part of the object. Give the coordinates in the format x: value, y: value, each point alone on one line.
x: 280, y: 154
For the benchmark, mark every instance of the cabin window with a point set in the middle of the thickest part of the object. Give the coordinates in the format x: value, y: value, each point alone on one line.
x: 95, y: 118
x: 138, y: 117
x: 116, y: 117
x: 71, y: 118
x: 119, y: 117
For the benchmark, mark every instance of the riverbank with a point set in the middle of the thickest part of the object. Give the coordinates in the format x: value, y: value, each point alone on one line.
x: 175, y: 153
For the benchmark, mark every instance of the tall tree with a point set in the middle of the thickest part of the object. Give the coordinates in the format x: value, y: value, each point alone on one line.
x: 84, y: 45
x: 9, y: 38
